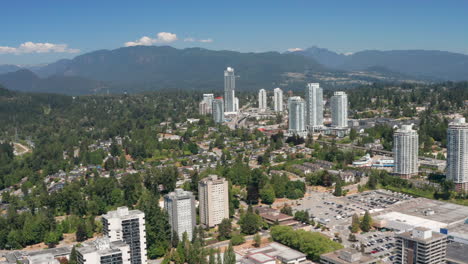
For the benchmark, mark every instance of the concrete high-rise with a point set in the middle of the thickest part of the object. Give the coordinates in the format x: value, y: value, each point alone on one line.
x: 339, y: 110
x: 218, y: 110
x: 314, y: 106
x: 127, y: 226
x: 180, y: 206
x: 262, y: 100
x: 229, y: 89
x: 278, y: 100
x: 457, y: 154
x: 421, y: 246
x: 102, y: 251
x: 296, y: 108
x: 204, y: 108
x: 214, y: 200
x: 405, y: 151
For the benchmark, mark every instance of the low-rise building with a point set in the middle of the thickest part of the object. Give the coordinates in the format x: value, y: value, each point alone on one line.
x: 103, y: 251
x: 346, y: 256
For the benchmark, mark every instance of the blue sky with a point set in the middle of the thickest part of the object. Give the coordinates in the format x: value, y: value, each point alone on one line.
x: 79, y: 26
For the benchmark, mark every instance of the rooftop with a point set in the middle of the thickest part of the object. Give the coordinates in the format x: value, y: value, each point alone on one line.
x: 457, y: 252
x: 123, y: 213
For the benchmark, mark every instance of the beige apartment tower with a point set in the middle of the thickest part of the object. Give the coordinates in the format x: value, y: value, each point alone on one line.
x: 214, y: 200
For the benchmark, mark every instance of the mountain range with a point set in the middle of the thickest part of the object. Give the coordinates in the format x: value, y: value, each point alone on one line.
x: 432, y: 65
x: 152, y: 67
x: 143, y: 68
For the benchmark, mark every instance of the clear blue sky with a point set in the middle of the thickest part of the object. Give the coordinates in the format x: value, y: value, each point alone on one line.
x: 254, y: 25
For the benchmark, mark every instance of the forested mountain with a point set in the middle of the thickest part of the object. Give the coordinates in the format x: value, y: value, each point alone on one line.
x: 26, y: 81
x: 152, y: 68
x: 426, y: 64
x: 5, y: 68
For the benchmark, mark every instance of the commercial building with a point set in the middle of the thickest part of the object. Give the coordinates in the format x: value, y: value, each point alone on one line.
x: 339, y: 110
x: 127, y: 226
x: 218, y: 110
x: 273, y: 253
x: 421, y: 246
x: 346, y: 256
x: 180, y: 206
x: 405, y: 151
x: 457, y: 154
x: 314, y: 106
x: 278, y: 100
x: 214, y: 200
x: 103, y: 251
x: 296, y: 108
x: 262, y: 100
x: 229, y: 89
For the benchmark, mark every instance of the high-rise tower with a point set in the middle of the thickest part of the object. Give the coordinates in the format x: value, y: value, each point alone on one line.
x: 262, y: 100
x: 180, y: 206
x: 127, y: 226
x: 296, y: 108
x: 457, y: 154
x: 229, y: 89
x: 214, y: 200
x: 218, y: 110
x: 314, y: 106
x: 405, y: 151
x: 278, y: 100
x: 339, y: 110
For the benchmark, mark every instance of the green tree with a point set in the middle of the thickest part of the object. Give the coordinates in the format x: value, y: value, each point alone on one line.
x: 267, y: 193
x: 257, y: 240
x: 250, y: 222
x: 81, y: 234
x: 73, y: 256
x: 229, y: 255
x: 225, y: 229
x: 237, y: 239
x: 51, y: 239
x: 366, y: 223
x: 338, y: 189
x: 355, y: 224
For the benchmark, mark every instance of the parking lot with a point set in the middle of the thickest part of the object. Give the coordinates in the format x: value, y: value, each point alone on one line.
x: 379, y: 244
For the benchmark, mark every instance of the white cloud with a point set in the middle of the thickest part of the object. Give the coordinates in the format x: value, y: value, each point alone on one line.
x: 161, y: 37
x: 31, y: 47
x: 348, y: 53
x: 208, y: 40
x: 295, y: 49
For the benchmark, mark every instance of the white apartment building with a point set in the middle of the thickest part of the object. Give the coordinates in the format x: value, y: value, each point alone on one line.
x: 457, y: 154
x: 339, y: 110
x: 314, y: 106
x: 218, y: 110
x: 296, y: 114
x: 229, y: 89
x: 262, y: 100
x: 103, y: 251
x: 206, y: 104
x: 127, y: 226
x: 405, y: 151
x: 214, y: 200
x: 278, y: 100
x: 180, y: 206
